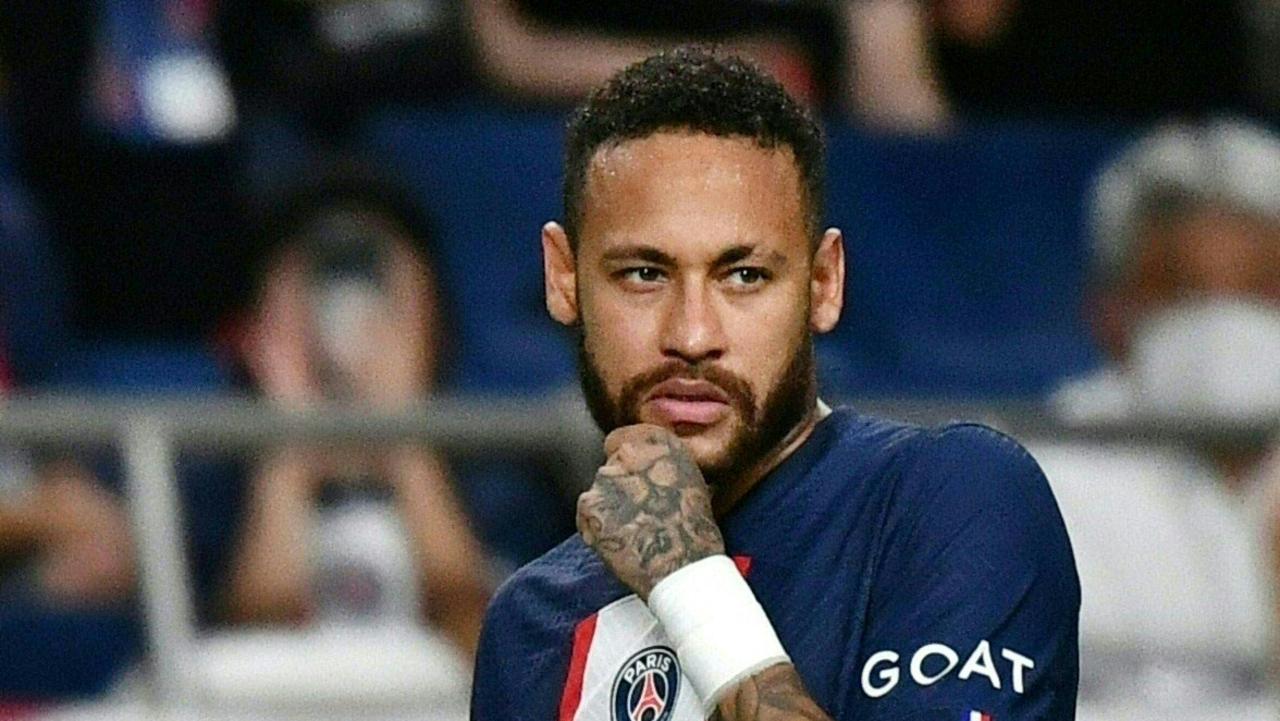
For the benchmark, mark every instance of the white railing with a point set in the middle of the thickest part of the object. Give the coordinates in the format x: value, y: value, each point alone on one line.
x: 149, y: 432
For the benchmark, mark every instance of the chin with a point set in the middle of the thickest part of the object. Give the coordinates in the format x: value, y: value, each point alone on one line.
x: 708, y: 444
x: 707, y: 448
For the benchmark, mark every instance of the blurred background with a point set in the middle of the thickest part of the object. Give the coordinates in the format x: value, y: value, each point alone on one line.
x: 283, y: 406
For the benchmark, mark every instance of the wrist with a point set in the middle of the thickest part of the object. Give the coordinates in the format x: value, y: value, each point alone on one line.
x: 25, y: 525
x: 291, y: 472
x: 720, y: 632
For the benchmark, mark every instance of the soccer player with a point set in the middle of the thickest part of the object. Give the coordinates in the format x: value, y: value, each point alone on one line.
x: 746, y: 552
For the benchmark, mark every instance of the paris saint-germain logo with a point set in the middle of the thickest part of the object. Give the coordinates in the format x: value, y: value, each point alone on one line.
x: 646, y: 686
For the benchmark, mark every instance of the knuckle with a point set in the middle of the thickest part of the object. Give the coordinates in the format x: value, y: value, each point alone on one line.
x: 654, y: 432
x: 586, y: 502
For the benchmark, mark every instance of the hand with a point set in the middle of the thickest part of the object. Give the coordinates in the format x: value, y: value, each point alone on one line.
x: 275, y: 345
x: 388, y: 374
x: 397, y: 364
x: 87, y: 552
x: 648, y: 513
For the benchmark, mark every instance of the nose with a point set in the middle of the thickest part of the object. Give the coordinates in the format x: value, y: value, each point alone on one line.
x: 693, y: 331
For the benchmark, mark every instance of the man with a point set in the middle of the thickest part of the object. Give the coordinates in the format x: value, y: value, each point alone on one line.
x: 891, y: 572
x: 1185, y: 300
x: 1186, y: 232
x: 346, y: 310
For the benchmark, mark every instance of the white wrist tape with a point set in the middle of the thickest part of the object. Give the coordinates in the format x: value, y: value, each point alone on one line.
x: 719, y: 630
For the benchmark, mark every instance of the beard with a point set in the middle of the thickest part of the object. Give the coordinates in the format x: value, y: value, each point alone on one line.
x: 762, y: 426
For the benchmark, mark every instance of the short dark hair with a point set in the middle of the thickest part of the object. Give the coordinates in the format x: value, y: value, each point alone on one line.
x: 692, y: 88
x: 298, y: 206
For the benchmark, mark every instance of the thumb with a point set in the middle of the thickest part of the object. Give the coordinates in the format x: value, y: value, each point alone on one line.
x: 638, y: 433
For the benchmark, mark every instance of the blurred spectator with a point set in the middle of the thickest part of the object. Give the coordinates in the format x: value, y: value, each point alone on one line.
x: 66, y: 579
x: 557, y: 50
x: 1172, y: 540
x: 1187, y: 233
x: 892, y: 82
x: 332, y: 60
x: 346, y: 311
x: 1264, y: 48
x: 63, y: 537
x: 124, y: 123
x: 66, y: 555
x: 916, y: 63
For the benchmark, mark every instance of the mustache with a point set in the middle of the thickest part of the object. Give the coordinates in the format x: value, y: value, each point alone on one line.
x: 735, y: 387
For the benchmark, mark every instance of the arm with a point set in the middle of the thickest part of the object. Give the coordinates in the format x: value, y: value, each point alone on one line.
x: 79, y: 533
x: 774, y: 694
x: 527, y: 59
x: 21, y: 527
x: 892, y: 82
x: 648, y: 516
x: 975, y: 602
x: 450, y: 560
x: 269, y: 573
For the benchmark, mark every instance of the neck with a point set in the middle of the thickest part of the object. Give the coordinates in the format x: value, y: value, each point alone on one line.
x: 727, y: 496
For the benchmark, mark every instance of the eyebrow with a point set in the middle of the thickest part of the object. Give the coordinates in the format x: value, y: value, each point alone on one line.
x: 636, y: 251
x: 650, y: 254
x: 739, y: 253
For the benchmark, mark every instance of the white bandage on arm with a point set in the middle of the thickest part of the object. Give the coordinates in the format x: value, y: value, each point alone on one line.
x: 717, y: 626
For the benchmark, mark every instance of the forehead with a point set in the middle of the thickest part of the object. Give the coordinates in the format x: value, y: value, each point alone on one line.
x: 684, y: 185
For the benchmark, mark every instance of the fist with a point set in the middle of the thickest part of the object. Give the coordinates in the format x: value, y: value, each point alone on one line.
x: 648, y: 513
x: 88, y: 551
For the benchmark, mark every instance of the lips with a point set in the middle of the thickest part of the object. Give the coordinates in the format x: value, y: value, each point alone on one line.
x: 684, y: 402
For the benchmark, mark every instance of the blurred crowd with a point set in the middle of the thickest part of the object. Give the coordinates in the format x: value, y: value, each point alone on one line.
x: 193, y: 173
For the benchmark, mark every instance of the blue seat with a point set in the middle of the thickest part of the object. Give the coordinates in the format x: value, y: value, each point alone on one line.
x: 490, y: 179
x: 967, y: 259
x: 33, y: 325
x: 141, y: 368
x: 966, y: 252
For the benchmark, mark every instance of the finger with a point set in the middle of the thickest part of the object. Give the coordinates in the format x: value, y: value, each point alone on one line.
x: 631, y: 486
x: 638, y: 433
x: 611, y: 470
x: 585, y: 519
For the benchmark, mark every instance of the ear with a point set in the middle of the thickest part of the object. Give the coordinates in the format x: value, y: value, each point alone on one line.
x: 561, y: 273
x: 826, y: 282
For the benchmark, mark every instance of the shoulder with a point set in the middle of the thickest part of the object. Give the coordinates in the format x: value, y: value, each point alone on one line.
x: 861, y: 432
x: 856, y: 446
x: 526, y: 641
x: 979, y: 463
x: 975, y: 443
x: 978, y: 494
x: 973, y: 454
x: 973, y: 558
x: 549, y: 595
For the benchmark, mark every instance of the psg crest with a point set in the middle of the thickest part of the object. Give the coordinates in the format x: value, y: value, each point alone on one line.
x: 646, y: 686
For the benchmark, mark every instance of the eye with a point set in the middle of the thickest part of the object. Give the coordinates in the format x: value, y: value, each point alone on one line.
x: 748, y: 276
x: 642, y: 275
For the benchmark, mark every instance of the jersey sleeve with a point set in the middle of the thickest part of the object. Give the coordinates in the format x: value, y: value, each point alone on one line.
x: 974, y: 609
x: 522, y: 659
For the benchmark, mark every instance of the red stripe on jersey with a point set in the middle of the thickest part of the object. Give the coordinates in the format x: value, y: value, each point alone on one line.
x: 582, y: 636
x: 743, y: 563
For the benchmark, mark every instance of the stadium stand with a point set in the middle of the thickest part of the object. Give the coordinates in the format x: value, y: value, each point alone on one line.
x: 967, y: 262
x: 1175, y: 572
x: 968, y: 266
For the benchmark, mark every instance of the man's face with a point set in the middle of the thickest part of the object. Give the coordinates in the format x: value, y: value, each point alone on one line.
x: 697, y: 288
x: 309, y: 338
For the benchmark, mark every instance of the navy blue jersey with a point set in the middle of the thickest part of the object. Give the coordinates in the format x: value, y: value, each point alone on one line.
x: 910, y: 573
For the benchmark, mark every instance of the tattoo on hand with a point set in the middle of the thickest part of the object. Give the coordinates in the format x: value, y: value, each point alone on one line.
x: 774, y: 694
x: 649, y: 511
